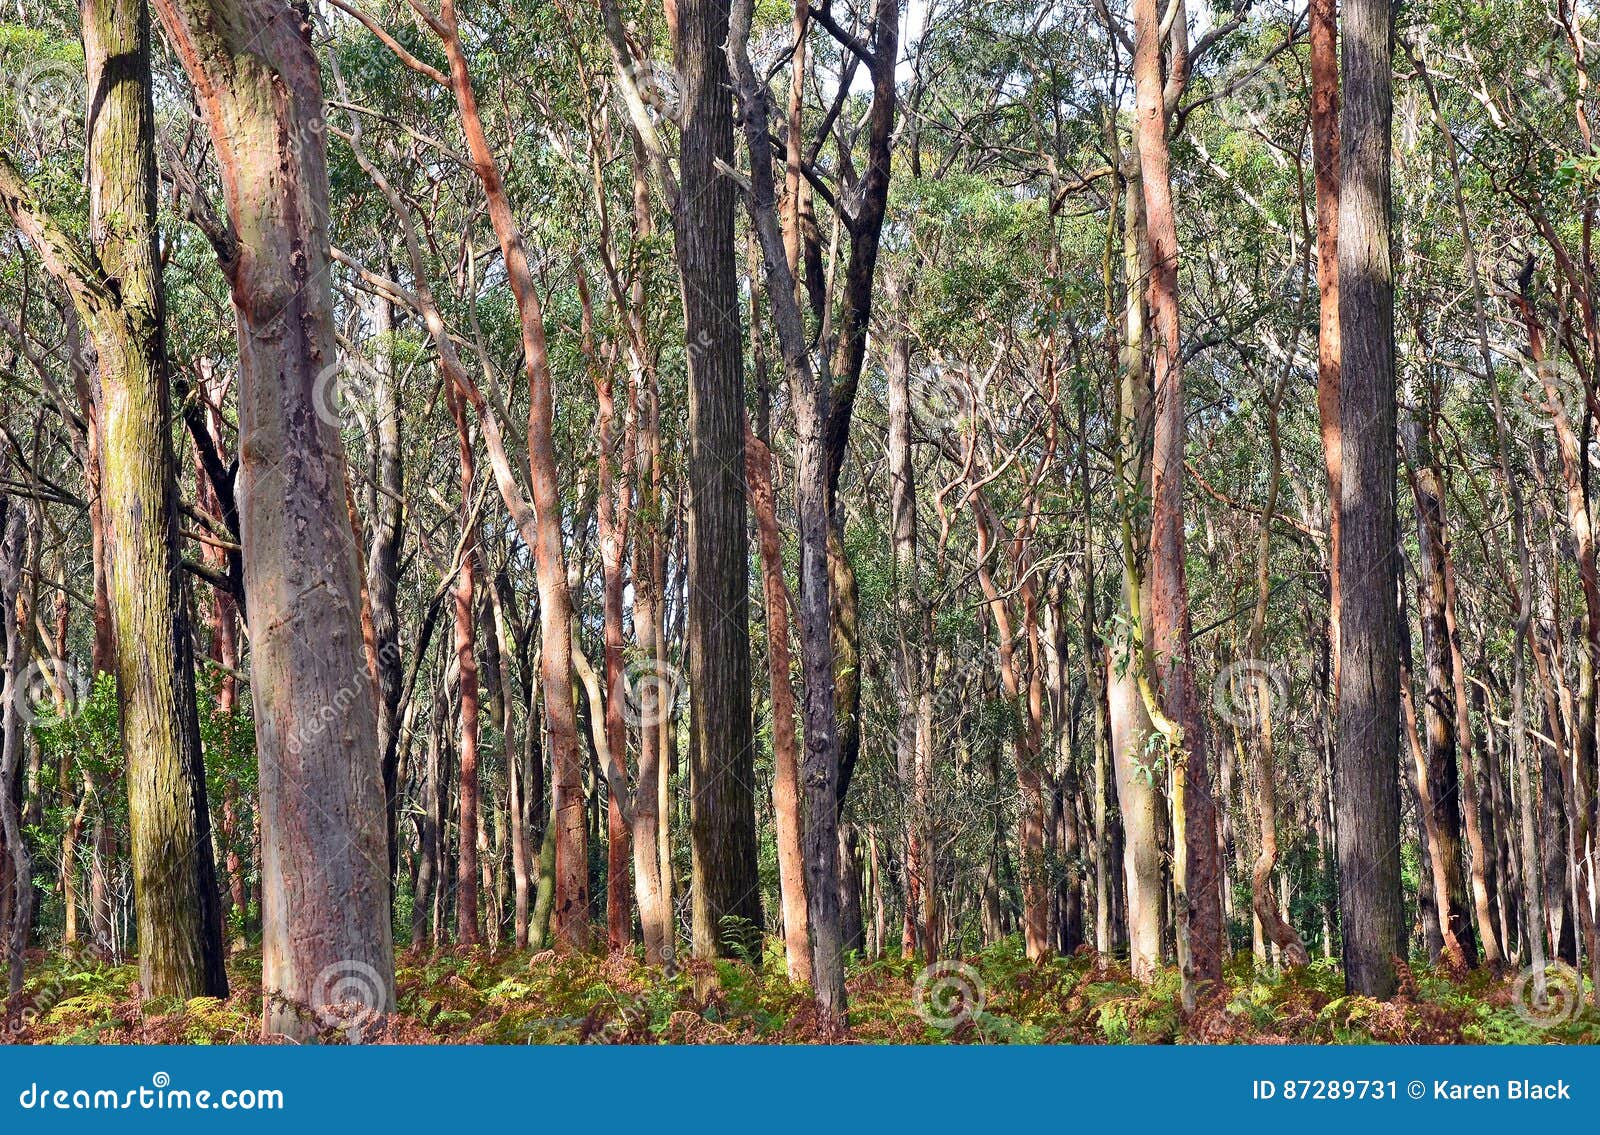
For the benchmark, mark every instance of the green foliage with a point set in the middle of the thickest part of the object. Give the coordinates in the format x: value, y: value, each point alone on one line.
x: 508, y: 997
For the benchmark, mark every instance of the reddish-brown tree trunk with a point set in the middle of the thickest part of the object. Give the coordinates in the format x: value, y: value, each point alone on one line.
x: 1169, y: 608
x: 785, y: 749
x: 570, y: 916
x: 1324, y: 35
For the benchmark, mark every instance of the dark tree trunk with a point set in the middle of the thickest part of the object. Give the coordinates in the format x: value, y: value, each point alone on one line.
x: 727, y: 891
x: 1366, y: 760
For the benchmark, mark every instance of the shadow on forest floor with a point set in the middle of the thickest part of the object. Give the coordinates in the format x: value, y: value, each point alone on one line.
x: 997, y: 996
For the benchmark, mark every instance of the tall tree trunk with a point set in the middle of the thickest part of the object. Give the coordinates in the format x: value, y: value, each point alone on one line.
x: 651, y: 866
x: 325, y: 887
x: 849, y: 352
x: 467, y: 676
x: 1199, y: 893
x: 383, y: 562
x: 727, y: 891
x: 539, y: 527
x: 1263, y: 902
x: 1126, y: 704
x: 1324, y: 36
x: 119, y: 298
x: 611, y: 520
x: 809, y: 395
x: 1367, y: 754
x: 1494, y: 948
x: 16, y: 866
x: 913, y: 739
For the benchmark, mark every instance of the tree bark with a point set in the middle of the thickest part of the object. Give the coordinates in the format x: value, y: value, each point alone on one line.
x: 1200, y: 897
x: 785, y: 751
x: 1367, y: 754
x: 324, y: 844
x: 16, y: 866
x: 467, y: 676
x: 913, y: 739
x: 118, y: 295
x: 1324, y: 37
x: 809, y: 395
x: 1438, y: 702
x: 727, y: 892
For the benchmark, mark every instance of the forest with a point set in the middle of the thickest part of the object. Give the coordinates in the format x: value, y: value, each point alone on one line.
x: 799, y: 521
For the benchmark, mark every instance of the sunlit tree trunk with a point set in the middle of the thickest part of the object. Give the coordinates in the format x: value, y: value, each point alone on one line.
x: 119, y: 297
x: 324, y: 868
x: 1198, y: 879
x: 1324, y: 37
x: 785, y: 751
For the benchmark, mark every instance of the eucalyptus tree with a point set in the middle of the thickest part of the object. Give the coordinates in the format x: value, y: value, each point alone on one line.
x: 116, y: 288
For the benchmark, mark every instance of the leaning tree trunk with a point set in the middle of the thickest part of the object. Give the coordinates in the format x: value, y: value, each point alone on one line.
x: 323, y: 831
x: 540, y: 526
x: 1366, y: 759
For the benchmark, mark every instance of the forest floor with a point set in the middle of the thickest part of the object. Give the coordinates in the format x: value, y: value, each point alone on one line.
x: 461, y: 996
